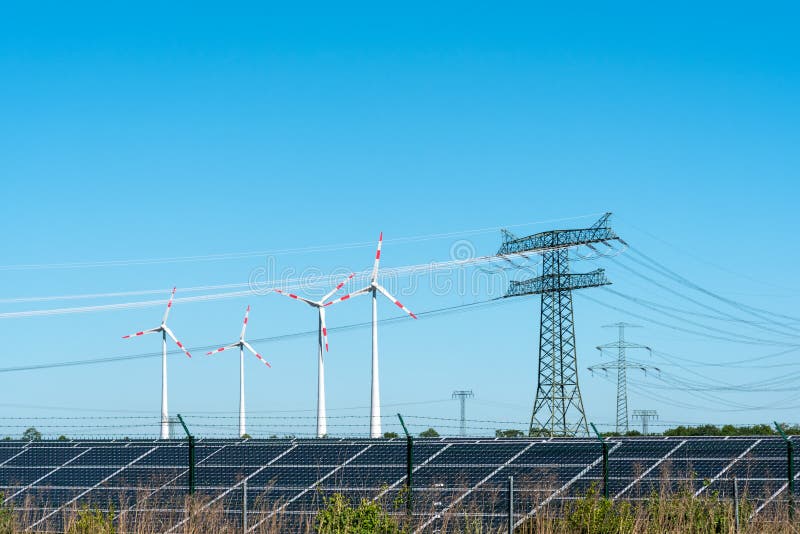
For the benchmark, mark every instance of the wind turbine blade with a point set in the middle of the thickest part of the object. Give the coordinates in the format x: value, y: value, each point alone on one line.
x: 169, y: 306
x: 175, y: 339
x: 337, y: 288
x: 256, y: 354
x: 324, y: 328
x: 377, y: 258
x: 295, y: 297
x: 143, y: 333
x: 226, y: 347
x: 349, y: 296
x: 397, y: 302
x: 244, y: 324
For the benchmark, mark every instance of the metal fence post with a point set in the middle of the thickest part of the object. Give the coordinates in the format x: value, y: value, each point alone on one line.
x: 511, y: 505
x: 409, y: 467
x: 789, y: 468
x: 605, y: 460
x: 244, y: 506
x: 191, y: 454
x: 736, y: 505
x: 191, y: 465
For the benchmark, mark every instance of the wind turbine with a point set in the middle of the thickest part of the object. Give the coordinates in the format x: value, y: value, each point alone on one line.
x: 374, y: 288
x: 322, y: 422
x: 165, y: 331
x: 241, y: 344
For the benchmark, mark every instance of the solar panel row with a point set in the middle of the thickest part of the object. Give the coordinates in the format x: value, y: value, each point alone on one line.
x: 292, y: 476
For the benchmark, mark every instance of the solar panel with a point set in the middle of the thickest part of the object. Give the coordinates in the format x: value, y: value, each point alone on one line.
x: 294, y: 476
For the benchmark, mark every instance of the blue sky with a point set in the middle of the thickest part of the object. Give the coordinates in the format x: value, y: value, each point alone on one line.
x: 145, y: 131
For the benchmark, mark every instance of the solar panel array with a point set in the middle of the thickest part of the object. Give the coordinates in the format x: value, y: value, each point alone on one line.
x: 290, y: 477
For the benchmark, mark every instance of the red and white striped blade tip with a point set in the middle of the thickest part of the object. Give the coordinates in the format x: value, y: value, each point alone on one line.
x: 341, y: 284
x: 396, y: 302
x: 143, y: 332
x: 246, y: 313
x: 349, y: 296
x: 263, y: 360
x: 256, y: 354
x: 133, y: 335
x: 169, y: 304
x: 400, y: 305
x: 340, y: 299
x: 175, y: 339
x: 377, y: 258
x: 293, y: 296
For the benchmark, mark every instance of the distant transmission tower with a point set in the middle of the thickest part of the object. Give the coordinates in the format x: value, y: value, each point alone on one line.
x: 645, y: 416
x: 462, y: 396
x: 621, y: 366
x: 558, y: 408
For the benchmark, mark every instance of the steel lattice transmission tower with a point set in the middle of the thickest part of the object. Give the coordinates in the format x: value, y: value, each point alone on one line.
x: 558, y: 408
x: 645, y: 416
x: 621, y: 366
x: 462, y: 396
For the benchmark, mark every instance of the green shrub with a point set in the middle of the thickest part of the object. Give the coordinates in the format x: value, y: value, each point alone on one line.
x: 93, y: 521
x: 31, y: 434
x: 339, y: 516
x: 593, y: 514
x: 510, y: 433
x: 8, y: 520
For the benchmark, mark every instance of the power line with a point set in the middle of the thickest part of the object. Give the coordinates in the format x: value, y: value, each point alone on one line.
x: 275, y: 252
x: 667, y: 325
x: 685, y: 297
x: 665, y: 271
x: 685, y: 311
x: 257, y: 287
x: 92, y: 296
x: 389, y: 320
x: 733, y: 363
x: 700, y: 388
x: 745, y: 338
x: 705, y: 261
x: 648, y: 393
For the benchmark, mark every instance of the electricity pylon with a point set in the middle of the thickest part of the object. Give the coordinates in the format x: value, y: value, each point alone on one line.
x: 558, y: 408
x: 462, y: 396
x: 621, y: 366
x: 645, y: 416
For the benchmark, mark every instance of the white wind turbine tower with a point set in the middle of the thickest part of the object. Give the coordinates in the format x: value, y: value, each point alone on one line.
x: 241, y: 345
x: 374, y: 287
x: 165, y: 331
x: 322, y: 422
